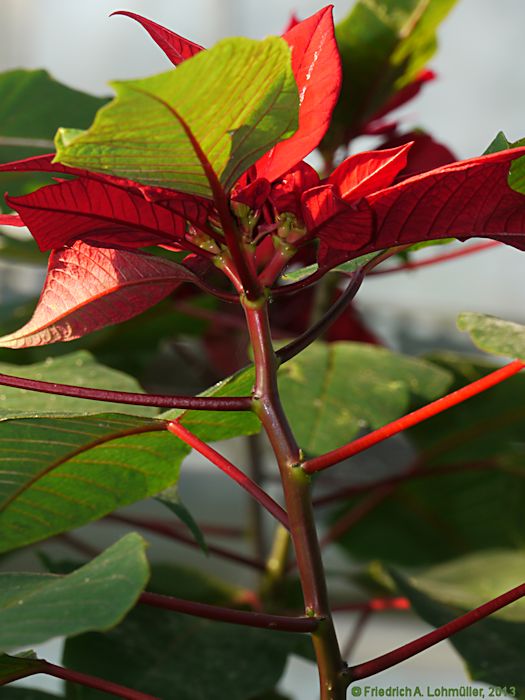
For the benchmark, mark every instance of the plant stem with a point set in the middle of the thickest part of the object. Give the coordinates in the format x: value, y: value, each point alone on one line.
x: 67, y: 674
x: 297, y: 491
x: 231, y: 470
x: 407, y: 651
x: 164, y: 529
x: 438, y: 258
x: 309, y: 336
x: 411, y: 419
x: 193, y: 403
x: 281, y: 623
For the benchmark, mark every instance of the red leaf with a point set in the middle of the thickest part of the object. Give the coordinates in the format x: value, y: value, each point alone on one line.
x: 339, y: 223
x: 253, y: 194
x: 88, y: 288
x: 286, y: 192
x: 364, y: 173
x: 425, y: 154
x: 461, y: 200
x: 317, y: 69
x: 94, y: 210
x: 176, y: 47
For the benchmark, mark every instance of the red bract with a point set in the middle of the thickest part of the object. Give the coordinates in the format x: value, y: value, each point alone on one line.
x: 102, y: 209
x: 469, y: 198
x: 88, y: 288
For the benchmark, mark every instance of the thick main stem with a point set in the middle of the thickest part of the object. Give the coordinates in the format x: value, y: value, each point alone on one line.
x: 297, y: 492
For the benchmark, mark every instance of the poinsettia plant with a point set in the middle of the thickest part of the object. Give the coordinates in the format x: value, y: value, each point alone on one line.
x: 198, y: 175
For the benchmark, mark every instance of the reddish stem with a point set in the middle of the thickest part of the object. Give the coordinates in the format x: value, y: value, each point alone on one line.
x: 67, y: 674
x: 411, y: 419
x: 164, y: 529
x: 237, y: 617
x: 407, y: 651
x: 194, y: 403
x: 438, y: 258
x: 231, y: 470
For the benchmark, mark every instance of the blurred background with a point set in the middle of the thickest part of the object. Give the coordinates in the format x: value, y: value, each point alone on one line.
x: 479, y: 91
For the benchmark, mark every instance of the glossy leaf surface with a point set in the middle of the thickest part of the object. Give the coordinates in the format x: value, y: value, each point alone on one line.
x: 317, y: 69
x: 494, y: 335
x: 238, y: 100
x: 33, y: 107
x: 328, y: 404
x: 38, y: 607
x: 60, y: 473
x: 78, y: 369
x: 88, y: 288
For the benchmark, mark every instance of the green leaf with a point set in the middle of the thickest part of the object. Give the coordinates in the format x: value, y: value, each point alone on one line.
x: 32, y: 107
x: 238, y: 99
x: 383, y: 46
x: 490, y: 426
x: 211, y: 426
x: 171, y: 499
x: 328, y: 402
x: 516, y: 178
x: 347, y: 268
x: 156, y: 652
x: 494, y: 335
x: 19, y: 666
x: 467, y: 509
x: 79, y: 369
x: 38, y: 607
x: 492, y: 648
x: 26, y: 694
x: 60, y: 473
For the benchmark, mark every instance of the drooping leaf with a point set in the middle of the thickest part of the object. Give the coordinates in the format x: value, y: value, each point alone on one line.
x: 171, y: 499
x: 14, y: 667
x: 176, y: 47
x: 61, y: 473
x: 238, y: 100
x: 317, y: 69
x: 88, y: 288
x: 38, y: 607
x: 33, y: 106
x: 461, y: 200
x: 384, y: 45
x: 494, y: 335
x: 328, y: 403
x: 492, y: 648
x: 79, y: 369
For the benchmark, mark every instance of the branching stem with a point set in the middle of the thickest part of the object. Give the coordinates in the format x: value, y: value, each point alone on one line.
x: 231, y: 470
x: 280, y: 623
x: 194, y: 403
